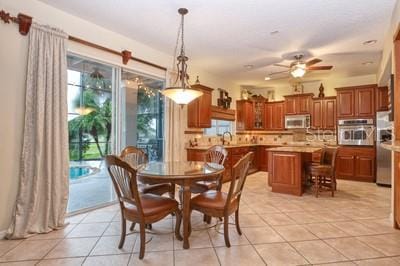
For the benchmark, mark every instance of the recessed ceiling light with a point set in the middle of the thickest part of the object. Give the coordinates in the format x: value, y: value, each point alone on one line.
x: 248, y: 66
x: 267, y: 78
x: 369, y: 42
x: 367, y: 63
x: 274, y: 32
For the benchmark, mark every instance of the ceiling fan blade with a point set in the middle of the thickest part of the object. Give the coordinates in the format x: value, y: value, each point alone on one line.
x: 313, y: 62
x: 280, y: 65
x: 279, y: 72
x: 319, y: 68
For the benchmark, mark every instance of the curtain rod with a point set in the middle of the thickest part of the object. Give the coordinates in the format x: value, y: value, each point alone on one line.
x: 25, y: 22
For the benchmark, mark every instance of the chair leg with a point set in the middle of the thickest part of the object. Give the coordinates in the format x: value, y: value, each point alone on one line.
x: 332, y: 186
x: 149, y: 226
x: 204, y: 218
x: 208, y: 219
x: 226, y: 231
x: 142, y: 240
x: 178, y: 216
x: 316, y: 186
x: 237, y: 222
x: 132, y: 226
x: 123, y: 232
x: 171, y: 192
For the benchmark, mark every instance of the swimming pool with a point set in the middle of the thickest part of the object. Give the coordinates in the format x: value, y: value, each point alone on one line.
x: 76, y: 172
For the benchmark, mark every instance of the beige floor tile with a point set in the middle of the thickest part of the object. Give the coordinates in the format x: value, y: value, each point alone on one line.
x: 62, y: 262
x: 108, y: 245
x: 325, y: 230
x: 249, y: 220
x: 354, y: 228
x: 239, y: 255
x: 277, y: 219
x: 29, y: 250
x: 196, y: 257
x: 379, y: 226
x: 345, y: 263
x: 294, y: 232
x: 280, y: 254
x: 305, y: 217
x: 353, y: 248
x: 156, y: 243
x: 114, y: 229
x: 263, y: 208
x: 387, y: 244
x: 56, y: 234
x: 20, y: 263
x: 76, y: 219
x: 73, y: 247
x: 217, y: 237
x: 88, y: 230
x: 153, y: 258
x: 262, y: 235
x: 197, y: 239
x: 316, y: 251
x: 329, y: 216
x: 99, y: 217
x: 114, y: 260
x: 7, y: 245
x: 378, y: 262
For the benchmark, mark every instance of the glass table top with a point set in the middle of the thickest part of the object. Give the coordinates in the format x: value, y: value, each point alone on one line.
x: 179, y: 169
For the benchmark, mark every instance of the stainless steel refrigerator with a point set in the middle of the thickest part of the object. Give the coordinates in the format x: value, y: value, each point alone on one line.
x: 383, y: 157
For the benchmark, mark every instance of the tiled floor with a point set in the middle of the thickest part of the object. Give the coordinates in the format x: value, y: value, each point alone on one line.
x: 350, y: 229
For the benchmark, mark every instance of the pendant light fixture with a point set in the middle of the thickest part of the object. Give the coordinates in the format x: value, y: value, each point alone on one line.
x: 180, y: 92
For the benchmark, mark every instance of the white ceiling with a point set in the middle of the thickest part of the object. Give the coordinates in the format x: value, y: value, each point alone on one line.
x: 222, y: 36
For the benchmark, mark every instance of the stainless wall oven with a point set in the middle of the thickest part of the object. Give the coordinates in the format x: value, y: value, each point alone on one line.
x: 359, y: 132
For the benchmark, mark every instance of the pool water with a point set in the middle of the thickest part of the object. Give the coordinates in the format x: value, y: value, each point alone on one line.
x: 77, y: 172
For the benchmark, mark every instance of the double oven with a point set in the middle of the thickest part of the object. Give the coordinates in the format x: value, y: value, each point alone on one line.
x: 359, y: 132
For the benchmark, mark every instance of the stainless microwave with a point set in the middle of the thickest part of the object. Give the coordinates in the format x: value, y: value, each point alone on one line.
x: 297, y: 121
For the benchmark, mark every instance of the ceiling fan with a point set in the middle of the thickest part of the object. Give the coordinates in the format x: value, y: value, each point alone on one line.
x: 299, y: 67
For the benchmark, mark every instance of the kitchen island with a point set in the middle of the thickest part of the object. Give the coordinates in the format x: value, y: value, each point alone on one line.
x: 286, y: 168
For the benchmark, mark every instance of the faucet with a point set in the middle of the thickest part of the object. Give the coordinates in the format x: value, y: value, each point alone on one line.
x: 223, y: 137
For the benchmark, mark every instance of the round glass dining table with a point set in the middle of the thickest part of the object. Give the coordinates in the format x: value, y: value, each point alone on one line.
x: 184, y: 174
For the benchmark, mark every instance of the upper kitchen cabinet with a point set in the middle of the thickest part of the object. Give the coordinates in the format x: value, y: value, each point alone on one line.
x: 357, y: 101
x: 382, y: 99
x: 199, y: 110
x: 323, y: 115
x: 298, y: 104
x: 274, y: 116
x: 251, y: 114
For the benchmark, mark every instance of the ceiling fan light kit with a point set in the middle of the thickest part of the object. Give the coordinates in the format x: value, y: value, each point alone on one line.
x: 181, y: 93
x: 298, y: 70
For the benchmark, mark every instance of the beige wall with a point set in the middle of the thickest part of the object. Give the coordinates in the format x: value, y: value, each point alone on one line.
x: 13, y: 54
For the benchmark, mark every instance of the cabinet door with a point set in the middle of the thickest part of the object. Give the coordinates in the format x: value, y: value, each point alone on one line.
x: 365, y: 168
x: 382, y: 99
x: 278, y: 118
x: 303, y: 104
x: 345, y: 166
x: 269, y: 111
x: 259, y: 115
x: 329, y: 114
x: 290, y: 106
x: 193, y: 114
x: 240, y: 115
x: 204, y: 111
x: 365, y: 102
x: 317, y: 114
x: 345, y: 103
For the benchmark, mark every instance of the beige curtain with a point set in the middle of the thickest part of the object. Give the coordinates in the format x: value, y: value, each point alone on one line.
x: 43, y: 189
x: 175, y: 125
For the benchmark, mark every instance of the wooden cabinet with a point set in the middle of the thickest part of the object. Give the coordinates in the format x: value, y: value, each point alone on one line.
x: 357, y: 101
x: 274, y: 117
x: 244, y: 115
x: 382, y: 99
x: 262, y: 155
x: 199, y: 110
x: 323, y: 114
x: 298, y: 104
x: 355, y: 163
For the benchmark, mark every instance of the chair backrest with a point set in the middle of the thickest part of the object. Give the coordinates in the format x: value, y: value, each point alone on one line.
x: 134, y: 156
x: 123, y: 177
x: 216, y: 154
x: 239, y: 174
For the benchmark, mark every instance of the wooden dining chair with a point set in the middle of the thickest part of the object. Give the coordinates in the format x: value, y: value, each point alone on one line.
x: 137, y: 207
x: 220, y: 204
x: 323, y: 175
x: 135, y: 157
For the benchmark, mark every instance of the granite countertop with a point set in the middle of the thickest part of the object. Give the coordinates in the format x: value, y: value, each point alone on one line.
x: 391, y: 145
x: 295, y: 149
x: 272, y: 144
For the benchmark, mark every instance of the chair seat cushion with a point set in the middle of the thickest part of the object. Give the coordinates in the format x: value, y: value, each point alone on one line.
x: 200, y: 187
x: 152, y: 204
x: 210, y: 200
x: 321, y: 170
x: 157, y: 189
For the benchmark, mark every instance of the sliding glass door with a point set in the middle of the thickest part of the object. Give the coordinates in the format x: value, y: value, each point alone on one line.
x: 90, y: 120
